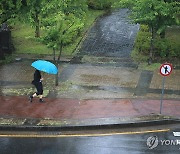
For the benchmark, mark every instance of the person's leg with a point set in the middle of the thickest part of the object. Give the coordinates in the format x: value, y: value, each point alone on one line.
x: 40, y: 98
x: 40, y: 91
x: 34, y: 95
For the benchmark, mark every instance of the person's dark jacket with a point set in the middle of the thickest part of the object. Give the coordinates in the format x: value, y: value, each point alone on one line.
x: 37, y: 77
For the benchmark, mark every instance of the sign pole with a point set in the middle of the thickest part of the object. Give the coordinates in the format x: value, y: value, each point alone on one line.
x: 165, y: 70
x: 163, y: 81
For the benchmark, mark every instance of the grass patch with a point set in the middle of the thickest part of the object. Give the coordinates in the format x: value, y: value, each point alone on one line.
x: 91, y: 16
x: 70, y: 49
x: 25, y: 42
x: 152, y: 67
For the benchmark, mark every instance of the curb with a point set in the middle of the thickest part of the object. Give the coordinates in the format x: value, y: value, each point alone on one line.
x: 89, y: 127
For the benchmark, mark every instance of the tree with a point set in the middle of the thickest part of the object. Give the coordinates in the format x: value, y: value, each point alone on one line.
x: 157, y: 14
x: 63, y: 24
x: 32, y: 9
x: 22, y: 9
x: 7, y: 10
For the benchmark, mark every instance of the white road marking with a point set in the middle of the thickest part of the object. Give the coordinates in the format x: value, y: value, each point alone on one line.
x: 177, y: 134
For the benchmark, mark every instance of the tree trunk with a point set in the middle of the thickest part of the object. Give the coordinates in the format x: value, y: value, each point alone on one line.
x: 54, y: 54
x: 57, y: 65
x: 151, y: 46
x: 37, y: 24
x: 60, y: 50
x: 56, y: 76
x: 57, y: 62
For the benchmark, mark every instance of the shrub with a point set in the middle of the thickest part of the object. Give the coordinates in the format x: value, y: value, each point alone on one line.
x: 163, y: 47
x: 124, y: 3
x: 142, y: 44
x: 99, y: 4
x: 166, y: 48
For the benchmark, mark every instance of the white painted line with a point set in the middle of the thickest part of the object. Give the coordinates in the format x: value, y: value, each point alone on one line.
x: 176, y: 134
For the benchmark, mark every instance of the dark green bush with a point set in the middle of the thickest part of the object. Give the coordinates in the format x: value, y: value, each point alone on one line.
x: 163, y: 47
x: 99, y: 4
x: 124, y: 3
x: 142, y: 44
x: 166, y: 48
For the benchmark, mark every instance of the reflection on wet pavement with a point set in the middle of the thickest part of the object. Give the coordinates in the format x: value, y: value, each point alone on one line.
x: 16, y: 77
x: 102, y: 68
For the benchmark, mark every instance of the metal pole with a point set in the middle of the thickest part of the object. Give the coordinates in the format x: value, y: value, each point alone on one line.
x: 163, y: 81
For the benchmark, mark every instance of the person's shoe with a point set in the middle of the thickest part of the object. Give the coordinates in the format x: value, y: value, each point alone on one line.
x: 30, y: 98
x: 41, y: 100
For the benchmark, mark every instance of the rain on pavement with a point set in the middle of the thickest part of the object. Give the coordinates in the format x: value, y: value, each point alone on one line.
x: 101, y: 69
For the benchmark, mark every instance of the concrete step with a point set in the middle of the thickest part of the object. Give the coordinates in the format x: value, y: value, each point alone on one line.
x: 104, y: 61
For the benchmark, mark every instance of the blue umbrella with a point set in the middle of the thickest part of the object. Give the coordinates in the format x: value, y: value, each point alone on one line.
x: 45, y: 66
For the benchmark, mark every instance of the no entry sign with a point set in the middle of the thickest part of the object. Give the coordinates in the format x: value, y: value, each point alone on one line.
x: 166, y: 69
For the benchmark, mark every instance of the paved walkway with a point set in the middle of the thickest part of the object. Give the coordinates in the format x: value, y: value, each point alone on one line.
x: 74, y: 111
x: 84, y: 81
x: 87, y: 95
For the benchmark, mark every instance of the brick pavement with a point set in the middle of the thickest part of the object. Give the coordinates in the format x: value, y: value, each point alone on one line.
x: 19, y: 107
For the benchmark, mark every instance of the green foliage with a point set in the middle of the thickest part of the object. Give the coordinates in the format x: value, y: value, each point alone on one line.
x: 65, y: 31
x: 23, y: 33
x: 156, y: 14
x: 124, y: 4
x: 164, y: 48
x: 63, y: 25
x: 142, y: 44
x: 168, y: 47
x: 7, y: 10
x: 161, y: 47
x: 100, y: 4
x: 152, y: 67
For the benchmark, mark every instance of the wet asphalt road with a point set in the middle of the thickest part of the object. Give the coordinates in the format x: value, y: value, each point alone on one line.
x: 114, y: 144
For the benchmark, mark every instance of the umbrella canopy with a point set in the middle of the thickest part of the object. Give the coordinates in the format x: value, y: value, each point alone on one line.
x: 45, y: 66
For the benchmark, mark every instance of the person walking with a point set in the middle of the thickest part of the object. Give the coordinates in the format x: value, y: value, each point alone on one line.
x: 37, y: 82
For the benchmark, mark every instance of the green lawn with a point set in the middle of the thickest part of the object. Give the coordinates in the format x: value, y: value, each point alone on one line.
x: 25, y: 42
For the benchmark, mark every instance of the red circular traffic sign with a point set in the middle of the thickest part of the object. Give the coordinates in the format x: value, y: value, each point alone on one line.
x: 166, y: 69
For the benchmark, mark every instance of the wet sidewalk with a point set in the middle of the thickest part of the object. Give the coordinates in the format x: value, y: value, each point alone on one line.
x: 101, y: 85
x: 18, y: 111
